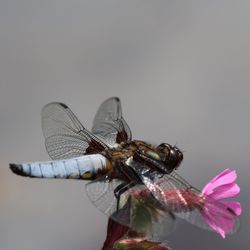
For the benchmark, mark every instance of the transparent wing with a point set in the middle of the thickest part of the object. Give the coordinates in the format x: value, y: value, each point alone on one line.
x: 65, y: 137
x: 109, y: 123
x: 138, y: 210
x: 101, y: 194
x: 186, y: 202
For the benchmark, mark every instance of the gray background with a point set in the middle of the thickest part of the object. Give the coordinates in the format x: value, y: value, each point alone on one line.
x: 181, y: 70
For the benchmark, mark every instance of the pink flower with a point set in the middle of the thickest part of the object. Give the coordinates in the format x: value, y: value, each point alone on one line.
x: 221, y: 216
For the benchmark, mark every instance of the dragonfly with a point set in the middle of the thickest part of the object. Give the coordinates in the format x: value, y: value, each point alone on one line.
x: 132, y: 181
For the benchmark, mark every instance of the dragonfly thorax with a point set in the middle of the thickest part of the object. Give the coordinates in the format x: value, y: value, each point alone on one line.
x: 164, y: 158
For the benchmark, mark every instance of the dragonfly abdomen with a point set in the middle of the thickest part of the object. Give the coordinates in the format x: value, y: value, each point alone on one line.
x: 84, y: 167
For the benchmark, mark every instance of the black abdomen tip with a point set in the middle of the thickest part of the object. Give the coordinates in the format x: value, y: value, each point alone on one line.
x: 17, y: 169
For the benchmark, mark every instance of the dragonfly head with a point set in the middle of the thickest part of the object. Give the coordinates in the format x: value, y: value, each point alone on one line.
x: 170, y: 155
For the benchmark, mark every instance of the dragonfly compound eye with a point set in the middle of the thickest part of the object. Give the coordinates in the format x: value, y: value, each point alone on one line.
x: 172, y: 156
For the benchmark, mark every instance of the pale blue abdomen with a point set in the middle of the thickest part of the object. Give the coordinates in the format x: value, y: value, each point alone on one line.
x: 83, y: 167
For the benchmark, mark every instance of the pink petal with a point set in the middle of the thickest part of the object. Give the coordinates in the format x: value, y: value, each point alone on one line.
x: 209, y: 220
x: 226, y: 191
x: 221, y: 216
x: 219, y: 219
x: 234, y: 205
x: 227, y: 176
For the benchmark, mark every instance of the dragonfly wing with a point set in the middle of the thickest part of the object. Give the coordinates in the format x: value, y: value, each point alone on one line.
x: 109, y: 124
x: 183, y: 200
x: 144, y: 214
x: 163, y: 226
x: 101, y: 194
x: 65, y: 136
x: 140, y: 213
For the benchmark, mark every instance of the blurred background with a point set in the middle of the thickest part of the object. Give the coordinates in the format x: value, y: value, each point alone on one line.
x: 181, y: 69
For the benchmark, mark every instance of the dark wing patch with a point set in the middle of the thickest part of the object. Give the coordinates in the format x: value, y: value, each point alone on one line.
x: 109, y: 123
x: 65, y: 136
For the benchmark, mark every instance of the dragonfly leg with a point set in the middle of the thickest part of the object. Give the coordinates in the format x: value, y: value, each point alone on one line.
x: 120, y: 189
x: 131, y: 180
